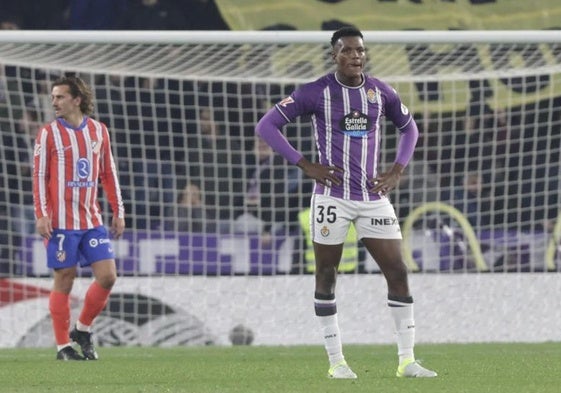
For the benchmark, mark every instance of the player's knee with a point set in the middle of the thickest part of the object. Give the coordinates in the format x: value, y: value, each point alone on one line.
x: 64, y: 286
x: 105, y: 273
x: 64, y: 280
x: 107, y: 280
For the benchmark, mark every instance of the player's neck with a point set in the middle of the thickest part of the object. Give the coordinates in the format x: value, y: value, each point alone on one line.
x: 74, y: 120
x: 352, y: 81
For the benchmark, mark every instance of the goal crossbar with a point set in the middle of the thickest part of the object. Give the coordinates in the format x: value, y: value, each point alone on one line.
x: 247, y: 37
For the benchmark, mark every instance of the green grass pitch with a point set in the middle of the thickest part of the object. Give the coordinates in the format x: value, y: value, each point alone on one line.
x: 477, y: 368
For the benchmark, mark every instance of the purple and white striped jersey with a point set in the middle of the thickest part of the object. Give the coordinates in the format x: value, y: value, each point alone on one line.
x: 347, y: 127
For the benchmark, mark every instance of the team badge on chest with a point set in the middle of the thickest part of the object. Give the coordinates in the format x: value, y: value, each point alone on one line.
x: 371, y: 96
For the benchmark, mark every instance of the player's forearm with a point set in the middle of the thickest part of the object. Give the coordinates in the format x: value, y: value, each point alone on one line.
x: 110, y: 182
x: 406, y: 146
x: 268, y: 129
x: 117, y: 206
x: 40, y: 204
x: 112, y: 191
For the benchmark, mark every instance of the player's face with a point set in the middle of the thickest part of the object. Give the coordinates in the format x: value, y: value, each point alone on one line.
x: 349, y: 54
x: 64, y: 104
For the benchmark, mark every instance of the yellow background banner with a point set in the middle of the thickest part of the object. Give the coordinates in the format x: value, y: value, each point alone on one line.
x: 392, y: 15
x: 396, y: 65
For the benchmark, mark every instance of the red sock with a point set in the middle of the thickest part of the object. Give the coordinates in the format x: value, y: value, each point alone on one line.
x: 95, y: 301
x: 59, y: 306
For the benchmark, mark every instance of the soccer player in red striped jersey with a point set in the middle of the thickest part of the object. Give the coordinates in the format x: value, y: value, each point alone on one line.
x: 347, y: 108
x: 72, y: 155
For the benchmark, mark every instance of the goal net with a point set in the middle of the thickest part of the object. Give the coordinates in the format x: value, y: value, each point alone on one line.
x: 481, y: 193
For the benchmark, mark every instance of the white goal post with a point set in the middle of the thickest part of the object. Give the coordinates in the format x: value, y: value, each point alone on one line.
x: 481, y: 194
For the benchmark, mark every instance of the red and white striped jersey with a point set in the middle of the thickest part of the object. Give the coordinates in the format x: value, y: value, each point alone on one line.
x: 69, y: 163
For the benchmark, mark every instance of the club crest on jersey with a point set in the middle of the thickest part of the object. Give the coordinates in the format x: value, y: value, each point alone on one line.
x: 355, y: 124
x: 371, y: 96
x: 61, y: 256
x: 286, y: 101
x: 324, y: 231
x: 96, y: 147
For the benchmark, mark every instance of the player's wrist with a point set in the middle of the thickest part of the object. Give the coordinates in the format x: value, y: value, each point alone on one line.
x: 303, y: 163
x: 398, y: 168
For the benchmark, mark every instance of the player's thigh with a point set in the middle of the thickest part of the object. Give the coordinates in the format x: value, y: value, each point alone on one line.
x: 330, y: 219
x: 380, y: 232
x: 327, y: 256
x: 386, y: 253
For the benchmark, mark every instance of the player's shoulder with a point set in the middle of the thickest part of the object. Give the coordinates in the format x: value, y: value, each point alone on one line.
x: 98, y: 124
x: 385, y: 88
x: 309, y: 94
x: 48, y: 128
x: 92, y: 120
x: 318, y: 83
x: 372, y: 81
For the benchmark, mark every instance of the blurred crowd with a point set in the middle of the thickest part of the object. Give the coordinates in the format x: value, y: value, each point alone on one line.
x: 186, y: 152
x: 189, y: 161
x: 111, y: 15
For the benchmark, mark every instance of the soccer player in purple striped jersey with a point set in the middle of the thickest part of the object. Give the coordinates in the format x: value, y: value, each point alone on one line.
x: 347, y: 109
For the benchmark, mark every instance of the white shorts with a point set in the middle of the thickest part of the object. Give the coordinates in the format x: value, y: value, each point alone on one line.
x: 330, y: 219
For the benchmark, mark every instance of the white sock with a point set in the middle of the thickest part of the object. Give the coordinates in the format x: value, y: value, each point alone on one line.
x: 332, y: 338
x: 83, y: 328
x: 59, y: 347
x: 402, y: 314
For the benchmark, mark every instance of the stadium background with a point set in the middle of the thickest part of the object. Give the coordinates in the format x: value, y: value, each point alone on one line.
x: 19, y: 295
x: 392, y: 15
x: 292, y: 14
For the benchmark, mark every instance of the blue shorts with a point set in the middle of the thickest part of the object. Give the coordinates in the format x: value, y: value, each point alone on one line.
x: 69, y: 248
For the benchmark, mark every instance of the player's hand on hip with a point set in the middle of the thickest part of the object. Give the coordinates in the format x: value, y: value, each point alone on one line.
x: 387, y: 181
x: 324, y: 174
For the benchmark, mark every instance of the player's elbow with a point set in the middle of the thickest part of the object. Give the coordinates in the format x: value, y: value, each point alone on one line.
x: 272, y: 120
x: 259, y: 128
